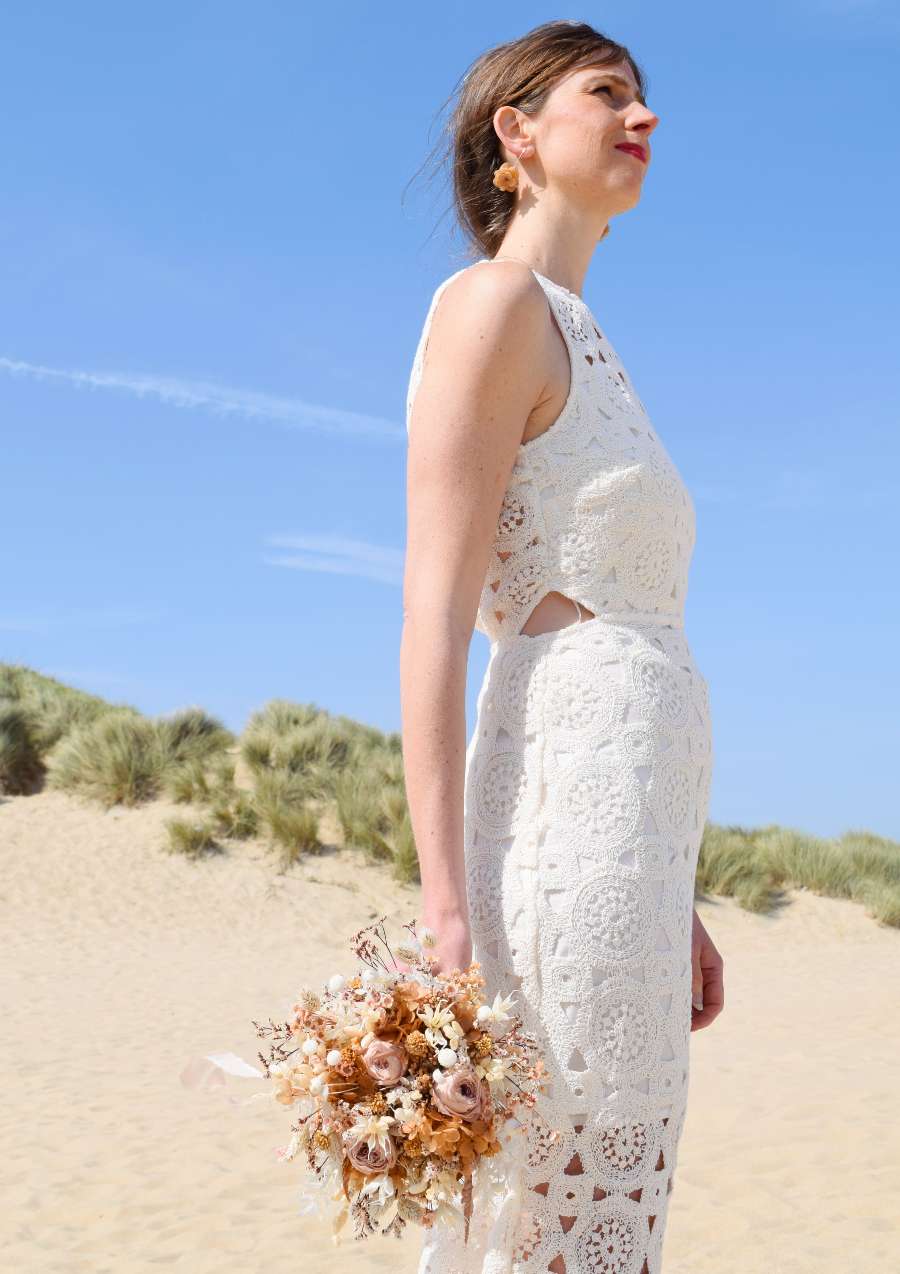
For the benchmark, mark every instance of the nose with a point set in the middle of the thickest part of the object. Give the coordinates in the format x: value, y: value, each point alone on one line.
x: 643, y: 119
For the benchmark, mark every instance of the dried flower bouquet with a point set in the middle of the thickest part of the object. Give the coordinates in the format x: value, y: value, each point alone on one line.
x: 404, y: 1081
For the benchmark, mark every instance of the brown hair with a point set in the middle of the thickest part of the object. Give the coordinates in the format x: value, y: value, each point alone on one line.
x: 520, y: 73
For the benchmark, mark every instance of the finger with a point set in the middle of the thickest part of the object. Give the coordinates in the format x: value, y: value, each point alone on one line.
x: 703, y: 1017
x: 712, y: 1004
x: 714, y: 990
x: 696, y: 983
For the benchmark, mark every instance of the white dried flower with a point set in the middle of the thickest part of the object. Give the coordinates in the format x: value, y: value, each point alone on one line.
x: 499, y: 1011
x: 336, y: 982
x: 436, y: 1018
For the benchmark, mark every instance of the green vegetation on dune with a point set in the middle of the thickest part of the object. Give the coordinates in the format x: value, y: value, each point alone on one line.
x: 312, y: 779
x: 754, y: 865
x: 37, y: 711
x: 307, y: 770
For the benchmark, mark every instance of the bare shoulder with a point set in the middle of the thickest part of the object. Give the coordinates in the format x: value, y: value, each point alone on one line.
x: 488, y: 336
x: 495, y: 295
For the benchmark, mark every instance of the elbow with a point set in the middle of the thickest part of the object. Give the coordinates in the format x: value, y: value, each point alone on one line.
x: 439, y: 627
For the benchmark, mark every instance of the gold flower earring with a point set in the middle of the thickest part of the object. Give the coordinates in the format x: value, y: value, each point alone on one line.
x: 506, y: 177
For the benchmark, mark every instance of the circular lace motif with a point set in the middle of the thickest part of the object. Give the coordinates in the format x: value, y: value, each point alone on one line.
x: 644, y: 552
x: 623, y: 1150
x: 582, y: 544
x: 660, y: 687
x: 484, y: 889
x: 600, y: 801
x: 652, y: 564
x: 612, y: 918
x: 675, y: 794
x: 639, y: 744
x: 580, y: 696
x: 517, y: 694
x: 624, y: 1029
x: 609, y: 1243
x: 546, y: 1146
x: 499, y: 790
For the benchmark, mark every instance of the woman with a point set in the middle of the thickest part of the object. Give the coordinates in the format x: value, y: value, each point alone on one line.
x: 560, y: 848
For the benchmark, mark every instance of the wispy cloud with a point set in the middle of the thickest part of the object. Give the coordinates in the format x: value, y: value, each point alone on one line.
x: 337, y: 555
x: 220, y: 400
x: 101, y: 617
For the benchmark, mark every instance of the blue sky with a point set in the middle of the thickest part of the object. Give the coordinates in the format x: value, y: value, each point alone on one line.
x: 214, y: 274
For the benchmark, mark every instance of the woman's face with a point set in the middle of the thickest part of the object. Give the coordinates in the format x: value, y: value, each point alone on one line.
x: 587, y: 117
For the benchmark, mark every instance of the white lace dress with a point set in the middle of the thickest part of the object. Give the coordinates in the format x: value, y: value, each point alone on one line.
x: 587, y: 787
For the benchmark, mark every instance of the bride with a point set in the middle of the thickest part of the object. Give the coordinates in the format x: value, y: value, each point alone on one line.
x: 559, y: 846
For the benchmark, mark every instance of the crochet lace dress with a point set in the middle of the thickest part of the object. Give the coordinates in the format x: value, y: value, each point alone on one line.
x: 586, y: 792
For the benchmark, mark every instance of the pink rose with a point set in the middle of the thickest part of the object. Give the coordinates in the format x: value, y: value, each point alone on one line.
x: 385, y: 1061
x: 371, y: 1160
x: 460, y: 1092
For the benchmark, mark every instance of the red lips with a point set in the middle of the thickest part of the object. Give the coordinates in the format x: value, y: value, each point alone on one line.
x: 633, y: 149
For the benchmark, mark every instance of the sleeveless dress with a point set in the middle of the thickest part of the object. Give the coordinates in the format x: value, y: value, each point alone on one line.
x: 586, y: 792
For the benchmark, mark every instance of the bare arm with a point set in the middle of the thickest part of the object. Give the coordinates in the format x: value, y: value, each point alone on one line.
x: 483, y: 373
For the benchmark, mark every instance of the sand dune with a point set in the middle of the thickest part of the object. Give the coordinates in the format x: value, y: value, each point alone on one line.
x: 122, y: 963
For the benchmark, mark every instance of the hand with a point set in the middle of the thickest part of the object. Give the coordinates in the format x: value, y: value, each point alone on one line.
x: 454, y: 943
x: 707, y: 984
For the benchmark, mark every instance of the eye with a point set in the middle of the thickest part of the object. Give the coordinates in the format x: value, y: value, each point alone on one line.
x: 604, y: 88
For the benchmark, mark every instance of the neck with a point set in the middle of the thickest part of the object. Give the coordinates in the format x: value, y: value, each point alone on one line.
x: 561, y: 251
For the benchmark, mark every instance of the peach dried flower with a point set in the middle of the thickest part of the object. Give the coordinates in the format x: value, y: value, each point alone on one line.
x: 416, y: 1044
x: 461, y: 1092
x: 385, y: 1061
x: 372, y: 1159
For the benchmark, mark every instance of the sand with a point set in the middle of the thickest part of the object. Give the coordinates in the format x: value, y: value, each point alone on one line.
x: 123, y: 963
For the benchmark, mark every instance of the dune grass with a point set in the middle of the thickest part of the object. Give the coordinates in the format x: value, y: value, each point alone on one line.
x: 307, y: 771
x: 37, y: 711
x: 193, y: 839
x: 756, y: 865
x: 307, y: 768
